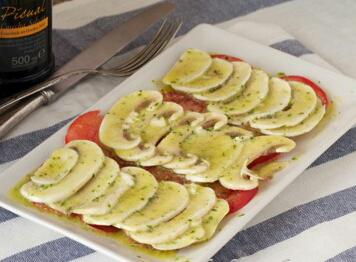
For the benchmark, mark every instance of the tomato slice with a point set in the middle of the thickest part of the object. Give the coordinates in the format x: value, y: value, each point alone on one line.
x: 317, y: 89
x: 107, y: 229
x: 237, y: 199
x: 188, y: 102
x: 227, y: 57
x: 85, y: 126
x: 263, y: 159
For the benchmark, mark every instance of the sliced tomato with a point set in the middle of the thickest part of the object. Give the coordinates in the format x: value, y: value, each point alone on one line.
x: 164, y: 174
x: 263, y: 159
x: 237, y: 199
x: 227, y: 57
x: 107, y: 229
x: 186, y: 101
x: 317, y: 89
x: 85, y: 126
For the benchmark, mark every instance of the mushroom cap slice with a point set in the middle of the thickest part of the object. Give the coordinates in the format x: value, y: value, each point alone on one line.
x: 202, y: 200
x: 219, y: 71
x: 201, y: 232
x: 56, y: 167
x: 92, y: 190
x: 214, y: 147
x: 214, y: 119
x: 278, y: 98
x: 189, y: 237
x: 233, y: 87
x: 105, y: 202
x: 303, y: 102
x: 91, y: 159
x: 131, y: 201
x: 255, y: 92
x: 211, y: 221
x: 113, y: 130
x: 303, y: 127
x: 237, y: 176
x: 192, y: 64
x: 170, y: 199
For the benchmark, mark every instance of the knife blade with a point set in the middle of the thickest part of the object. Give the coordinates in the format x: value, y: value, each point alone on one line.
x: 92, y: 57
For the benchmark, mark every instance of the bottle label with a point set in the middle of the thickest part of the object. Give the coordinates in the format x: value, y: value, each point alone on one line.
x: 24, y: 39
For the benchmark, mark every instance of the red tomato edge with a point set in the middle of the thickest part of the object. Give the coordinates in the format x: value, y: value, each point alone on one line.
x: 226, y: 57
x: 94, y: 126
x: 317, y: 89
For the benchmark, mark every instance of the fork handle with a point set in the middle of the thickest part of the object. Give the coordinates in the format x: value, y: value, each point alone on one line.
x: 9, y: 103
x: 23, y: 109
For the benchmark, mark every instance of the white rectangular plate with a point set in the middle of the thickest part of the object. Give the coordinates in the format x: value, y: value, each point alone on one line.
x: 209, y: 38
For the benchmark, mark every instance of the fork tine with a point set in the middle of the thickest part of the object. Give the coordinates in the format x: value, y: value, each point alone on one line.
x: 143, y: 50
x: 148, y: 49
x: 154, y: 50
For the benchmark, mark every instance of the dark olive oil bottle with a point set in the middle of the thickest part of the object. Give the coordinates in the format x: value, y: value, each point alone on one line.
x: 25, y: 44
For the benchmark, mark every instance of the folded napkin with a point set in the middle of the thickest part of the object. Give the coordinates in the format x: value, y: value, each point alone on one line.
x: 312, y: 220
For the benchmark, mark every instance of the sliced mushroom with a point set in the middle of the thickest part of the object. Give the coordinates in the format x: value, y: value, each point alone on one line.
x: 192, y: 64
x: 255, y: 92
x: 219, y: 71
x: 233, y: 87
x: 237, y: 176
x: 303, y: 103
x: 112, y: 131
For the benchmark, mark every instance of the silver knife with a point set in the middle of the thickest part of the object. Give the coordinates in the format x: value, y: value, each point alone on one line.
x: 92, y: 57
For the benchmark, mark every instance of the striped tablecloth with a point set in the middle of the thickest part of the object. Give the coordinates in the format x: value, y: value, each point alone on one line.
x: 312, y: 220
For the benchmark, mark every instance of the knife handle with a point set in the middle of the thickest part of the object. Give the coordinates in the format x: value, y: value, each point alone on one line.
x: 22, y: 110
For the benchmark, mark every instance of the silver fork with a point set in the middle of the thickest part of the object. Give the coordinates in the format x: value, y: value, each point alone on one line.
x: 159, y: 42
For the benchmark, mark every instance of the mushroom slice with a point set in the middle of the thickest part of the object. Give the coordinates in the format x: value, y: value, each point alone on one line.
x: 113, y: 130
x: 190, y: 118
x: 267, y: 171
x: 303, y: 127
x: 92, y: 190
x: 151, y: 126
x: 182, y: 161
x: 157, y: 160
x: 104, y: 203
x: 255, y: 92
x: 170, y: 199
x: 55, y: 168
x: 215, y: 120
x: 236, y: 132
x: 170, y: 145
x: 141, y: 152
x: 219, y: 71
x: 277, y: 99
x: 216, y: 148
x: 192, y: 64
x: 202, y: 232
x: 170, y: 111
x: 131, y: 201
x: 202, y: 200
x: 303, y: 102
x: 191, y: 236
x: 199, y: 167
x: 233, y: 87
x: 211, y: 221
x: 90, y: 160
x: 237, y: 176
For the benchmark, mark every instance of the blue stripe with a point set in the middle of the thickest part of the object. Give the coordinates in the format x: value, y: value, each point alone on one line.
x: 191, y: 12
x: 288, y: 224
x: 6, y: 215
x: 348, y: 255
x: 16, y: 147
x: 59, y: 250
x: 292, y: 46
